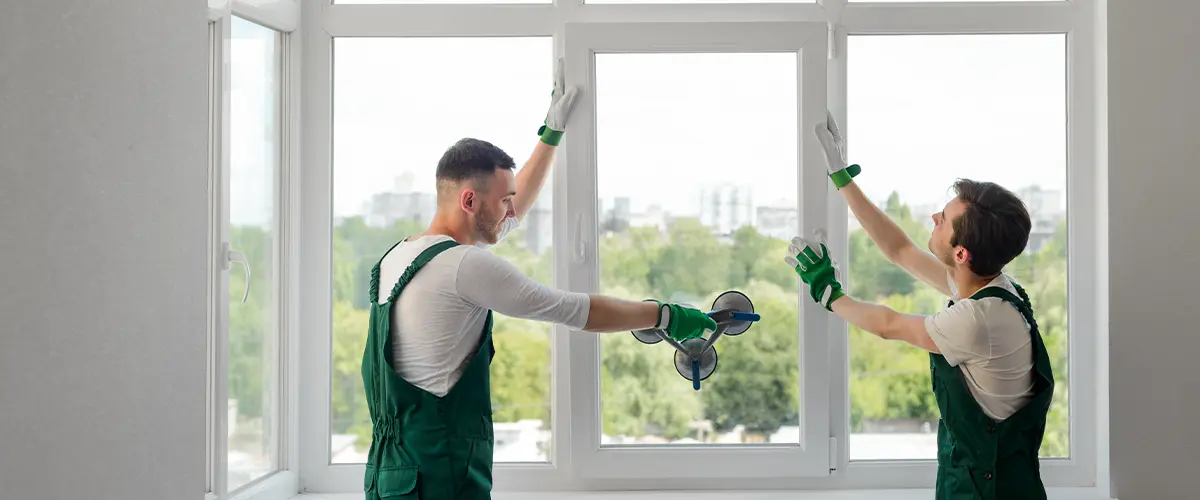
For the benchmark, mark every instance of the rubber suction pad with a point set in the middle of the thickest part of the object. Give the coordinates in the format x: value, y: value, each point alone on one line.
x: 708, y: 359
x: 649, y: 336
x: 736, y: 301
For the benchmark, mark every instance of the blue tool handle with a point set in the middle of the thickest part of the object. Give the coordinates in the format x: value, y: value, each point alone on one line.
x: 741, y: 316
x: 696, y: 374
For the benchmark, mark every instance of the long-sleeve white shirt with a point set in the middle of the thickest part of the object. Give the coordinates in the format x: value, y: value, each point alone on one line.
x: 438, y: 320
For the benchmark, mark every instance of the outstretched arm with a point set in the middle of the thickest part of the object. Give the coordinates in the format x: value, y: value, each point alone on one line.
x: 491, y: 282
x: 885, y: 322
x: 887, y: 235
x: 819, y: 272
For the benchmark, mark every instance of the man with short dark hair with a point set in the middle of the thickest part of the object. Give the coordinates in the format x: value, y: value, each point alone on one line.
x: 429, y: 345
x: 991, y: 374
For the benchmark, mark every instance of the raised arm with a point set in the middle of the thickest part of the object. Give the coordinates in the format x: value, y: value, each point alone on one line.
x: 532, y: 175
x: 887, y: 235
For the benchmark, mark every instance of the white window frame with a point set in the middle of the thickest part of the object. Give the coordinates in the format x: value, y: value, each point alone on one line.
x: 283, y: 17
x: 581, y: 273
x: 568, y: 467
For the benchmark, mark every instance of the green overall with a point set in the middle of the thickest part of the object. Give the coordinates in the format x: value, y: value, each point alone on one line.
x: 979, y: 458
x: 424, y: 446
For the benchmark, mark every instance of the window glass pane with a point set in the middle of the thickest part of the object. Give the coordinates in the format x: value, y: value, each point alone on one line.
x: 253, y: 326
x: 398, y: 104
x: 923, y: 112
x: 697, y: 166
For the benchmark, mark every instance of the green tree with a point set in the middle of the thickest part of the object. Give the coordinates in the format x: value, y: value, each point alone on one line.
x: 349, y: 404
x: 693, y: 264
x: 757, y: 381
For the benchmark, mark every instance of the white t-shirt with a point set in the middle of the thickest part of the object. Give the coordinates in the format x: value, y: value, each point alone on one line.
x: 990, y: 340
x: 437, y: 322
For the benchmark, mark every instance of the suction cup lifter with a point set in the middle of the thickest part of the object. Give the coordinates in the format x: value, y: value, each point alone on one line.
x: 696, y: 359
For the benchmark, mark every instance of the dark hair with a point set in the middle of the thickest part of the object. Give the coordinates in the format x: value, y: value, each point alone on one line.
x: 994, y: 227
x: 471, y: 159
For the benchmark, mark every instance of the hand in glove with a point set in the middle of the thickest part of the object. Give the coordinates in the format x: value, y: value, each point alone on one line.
x: 561, y: 101
x: 820, y: 273
x: 682, y: 322
x: 834, y: 145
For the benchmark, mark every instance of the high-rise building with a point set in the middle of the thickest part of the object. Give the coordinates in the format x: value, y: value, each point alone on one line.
x: 726, y: 207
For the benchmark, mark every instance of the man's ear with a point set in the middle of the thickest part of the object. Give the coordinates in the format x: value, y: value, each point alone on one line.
x: 962, y: 255
x: 467, y: 200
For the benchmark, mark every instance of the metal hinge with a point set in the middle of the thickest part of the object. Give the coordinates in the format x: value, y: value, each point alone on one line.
x: 833, y: 454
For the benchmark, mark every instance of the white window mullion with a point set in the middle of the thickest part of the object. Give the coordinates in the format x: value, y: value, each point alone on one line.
x: 838, y: 228
x: 1085, y: 316
x: 289, y: 213
x: 315, y: 212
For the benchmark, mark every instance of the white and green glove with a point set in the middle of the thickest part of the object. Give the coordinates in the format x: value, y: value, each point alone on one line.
x: 561, y: 100
x: 834, y: 145
x: 682, y: 322
x: 819, y: 272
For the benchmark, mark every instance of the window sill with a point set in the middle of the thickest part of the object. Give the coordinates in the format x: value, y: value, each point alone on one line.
x: 909, y: 494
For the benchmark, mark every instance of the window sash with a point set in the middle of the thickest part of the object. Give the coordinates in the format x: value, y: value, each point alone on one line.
x: 282, y: 482
x: 323, y: 21
x: 580, y: 272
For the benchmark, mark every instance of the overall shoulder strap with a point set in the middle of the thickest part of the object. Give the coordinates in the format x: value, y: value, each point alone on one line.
x: 1021, y: 303
x: 374, y: 290
x: 423, y: 258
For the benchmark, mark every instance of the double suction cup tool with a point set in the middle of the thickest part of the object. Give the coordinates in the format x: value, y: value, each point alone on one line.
x: 696, y: 359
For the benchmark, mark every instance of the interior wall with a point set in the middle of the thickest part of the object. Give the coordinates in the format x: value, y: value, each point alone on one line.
x: 103, y: 230
x: 1154, y: 246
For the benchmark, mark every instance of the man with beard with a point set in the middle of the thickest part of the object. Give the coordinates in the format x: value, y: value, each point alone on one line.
x: 429, y: 345
x: 990, y: 371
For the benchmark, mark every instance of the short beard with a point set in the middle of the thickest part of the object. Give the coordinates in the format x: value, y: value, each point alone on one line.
x: 487, y: 227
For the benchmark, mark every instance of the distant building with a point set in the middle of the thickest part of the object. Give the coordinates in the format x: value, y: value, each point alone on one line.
x: 615, y: 215
x: 539, y: 228
x: 778, y: 222
x: 1046, y: 209
x: 401, y: 203
x: 726, y: 207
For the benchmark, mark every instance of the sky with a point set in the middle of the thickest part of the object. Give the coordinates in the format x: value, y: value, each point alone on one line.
x: 923, y: 110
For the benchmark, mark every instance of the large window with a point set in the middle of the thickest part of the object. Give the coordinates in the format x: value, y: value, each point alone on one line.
x: 688, y: 164
x: 924, y: 111
x: 398, y: 105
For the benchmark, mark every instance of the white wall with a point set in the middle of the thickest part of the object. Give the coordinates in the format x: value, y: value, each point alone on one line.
x: 102, y: 249
x: 1154, y: 214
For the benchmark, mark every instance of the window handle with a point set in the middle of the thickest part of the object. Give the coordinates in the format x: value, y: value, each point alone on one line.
x: 232, y: 256
x: 579, y: 246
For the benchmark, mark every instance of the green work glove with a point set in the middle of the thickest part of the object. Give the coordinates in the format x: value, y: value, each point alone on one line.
x: 835, y: 152
x: 819, y: 272
x: 561, y: 101
x: 682, y: 322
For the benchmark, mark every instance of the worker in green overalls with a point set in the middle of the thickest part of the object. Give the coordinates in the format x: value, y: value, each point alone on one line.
x: 429, y: 343
x: 990, y: 371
